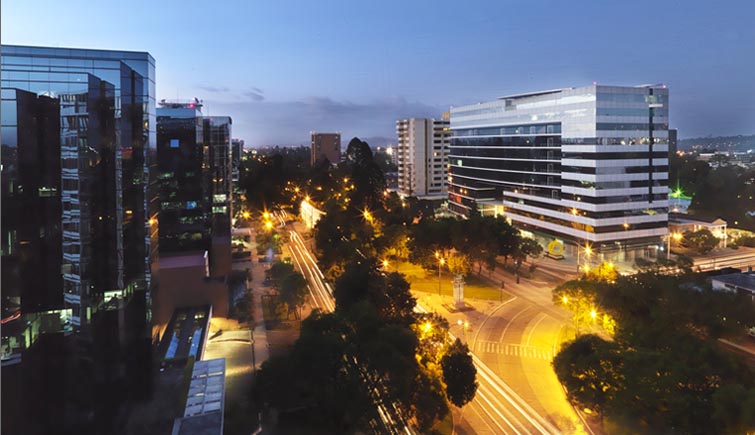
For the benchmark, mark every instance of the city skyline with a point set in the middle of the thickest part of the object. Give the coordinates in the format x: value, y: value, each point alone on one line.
x: 358, y: 68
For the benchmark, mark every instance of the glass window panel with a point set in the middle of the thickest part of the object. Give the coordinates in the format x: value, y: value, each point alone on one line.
x: 8, y: 112
x: 19, y: 75
x: 9, y: 136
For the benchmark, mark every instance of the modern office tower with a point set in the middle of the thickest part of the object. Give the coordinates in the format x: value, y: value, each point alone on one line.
x: 325, y: 146
x: 105, y: 109
x: 237, y: 150
x: 581, y: 165
x: 672, y: 141
x: 183, y: 163
x: 217, y: 130
x: 422, y: 156
x: 194, y: 163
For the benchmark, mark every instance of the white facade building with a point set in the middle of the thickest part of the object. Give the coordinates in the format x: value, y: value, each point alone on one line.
x: 583, y: 165
x: 422, y: 157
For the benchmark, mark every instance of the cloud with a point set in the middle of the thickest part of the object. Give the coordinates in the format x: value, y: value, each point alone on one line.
x: 214, y: 89
x: 255, y: 94
x: 260, y: 121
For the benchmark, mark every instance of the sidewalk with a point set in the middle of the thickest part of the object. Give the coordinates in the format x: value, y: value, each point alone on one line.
x: 260, y: 346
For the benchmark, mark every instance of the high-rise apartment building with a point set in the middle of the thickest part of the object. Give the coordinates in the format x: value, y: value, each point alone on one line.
x: 325, y: 146
x: 422, y: 157
x: 194, y: 161
x: 93, y: 111
x: 582, y: 165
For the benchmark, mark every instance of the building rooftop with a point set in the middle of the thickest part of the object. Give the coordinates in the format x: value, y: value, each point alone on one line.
x: 741, y: 280
x: 181, y: 260
x: 186, y: 333
x: 686, y: 218
x: 205, y: 401
x: 532, y: 94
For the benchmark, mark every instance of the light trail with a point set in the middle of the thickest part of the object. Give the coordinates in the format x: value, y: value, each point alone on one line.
x: 509, y: 412
x: 322, y: 296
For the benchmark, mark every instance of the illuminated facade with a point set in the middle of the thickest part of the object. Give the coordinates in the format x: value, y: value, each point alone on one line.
x: 587, y: 165
x: 422, y: 157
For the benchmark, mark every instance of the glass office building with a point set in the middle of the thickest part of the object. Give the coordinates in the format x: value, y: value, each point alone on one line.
x: 580, y: 165
x: 79, y: 225
x: 107, y: 114
x: 195, y: 183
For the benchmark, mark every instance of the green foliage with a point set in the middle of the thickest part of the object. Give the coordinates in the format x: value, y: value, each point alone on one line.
x: 664, y: 353
x: 702, y: 241
x: 459, y: 374
x: 590, y: 369
x: 480, y: 239
x: 366, y: 176
x: 291, y: 285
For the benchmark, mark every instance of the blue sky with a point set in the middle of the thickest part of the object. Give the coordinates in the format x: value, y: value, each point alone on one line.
x: 283, y: 68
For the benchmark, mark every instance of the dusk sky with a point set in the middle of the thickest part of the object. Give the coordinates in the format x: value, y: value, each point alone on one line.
x: 281, y: 69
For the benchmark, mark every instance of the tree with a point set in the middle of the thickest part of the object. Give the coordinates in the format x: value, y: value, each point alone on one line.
x: 458, y: 264
x: 366, y: 176
x: 459, y: 374
x: 279, y: 271
x: 590, y: 370
x: 702, y: 241
x: 293, y: 290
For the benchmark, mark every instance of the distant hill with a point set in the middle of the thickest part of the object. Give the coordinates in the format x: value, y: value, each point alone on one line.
x: 719, y: 143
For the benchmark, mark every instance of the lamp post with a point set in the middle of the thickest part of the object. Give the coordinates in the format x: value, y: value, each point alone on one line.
x: 588, y: 252
x: 441, y: 262
x: 464, y: 324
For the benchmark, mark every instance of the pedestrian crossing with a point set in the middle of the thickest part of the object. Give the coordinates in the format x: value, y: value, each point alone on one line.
x: 513, y: 350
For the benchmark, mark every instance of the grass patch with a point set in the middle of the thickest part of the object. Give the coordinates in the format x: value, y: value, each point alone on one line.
x: 426, y: 281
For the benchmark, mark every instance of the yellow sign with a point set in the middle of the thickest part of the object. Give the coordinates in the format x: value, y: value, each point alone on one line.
x: 556, y: 248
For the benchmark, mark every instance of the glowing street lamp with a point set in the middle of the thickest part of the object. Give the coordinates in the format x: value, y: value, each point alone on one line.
x: 367, y: 215
x: 465, y: 325
x: 588, y: 252
x: 246, y: 215
x: 269, y: 225
x: 441, y: 262
x: 427, y: 326
x: 385, y: 264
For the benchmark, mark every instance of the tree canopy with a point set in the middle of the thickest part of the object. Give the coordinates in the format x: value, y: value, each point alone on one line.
x: 664, y: 351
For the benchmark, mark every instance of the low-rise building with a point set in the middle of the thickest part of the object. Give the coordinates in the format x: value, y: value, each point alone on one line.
x: 681, y: 223
x: 743, y: 283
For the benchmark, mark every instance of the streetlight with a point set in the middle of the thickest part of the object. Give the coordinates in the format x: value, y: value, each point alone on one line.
x: 588, y: 252
x: 465, y: 325
x: 441, y: 262
x: 674, y: 235
x: 385, y: 264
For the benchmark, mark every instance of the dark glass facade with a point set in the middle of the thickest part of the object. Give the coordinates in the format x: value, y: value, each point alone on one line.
x: 184, y: 184
x: 195, y: 182
x: 31, y: 227
x: 88, y: 117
